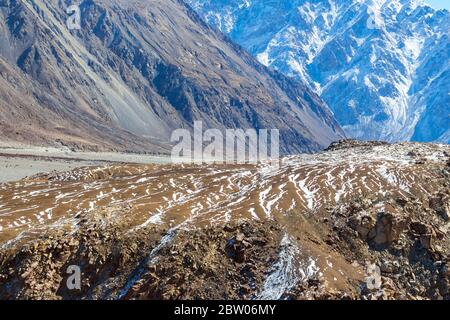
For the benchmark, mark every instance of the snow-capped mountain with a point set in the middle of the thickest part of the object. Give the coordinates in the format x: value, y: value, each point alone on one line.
x: 134, y: 72
x: 383, y: 66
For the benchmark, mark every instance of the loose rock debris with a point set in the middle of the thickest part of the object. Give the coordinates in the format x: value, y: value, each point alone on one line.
x: 307, y: 229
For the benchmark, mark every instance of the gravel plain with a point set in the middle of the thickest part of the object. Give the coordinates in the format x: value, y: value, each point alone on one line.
x: 20, y: 161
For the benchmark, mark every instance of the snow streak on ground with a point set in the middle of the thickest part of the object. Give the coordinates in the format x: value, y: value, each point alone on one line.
x: 195, y: 195
x: 290, y: 269
x: 182, y: 197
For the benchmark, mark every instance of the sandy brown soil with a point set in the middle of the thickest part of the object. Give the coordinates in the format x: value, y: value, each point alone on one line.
x: 307, y: 229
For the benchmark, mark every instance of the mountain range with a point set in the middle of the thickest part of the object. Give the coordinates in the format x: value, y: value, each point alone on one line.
x: 382, y: 66
x: 134, y: 72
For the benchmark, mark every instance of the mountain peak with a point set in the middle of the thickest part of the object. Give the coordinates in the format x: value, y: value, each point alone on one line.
x: 137, y: 71
x: 375, y: 62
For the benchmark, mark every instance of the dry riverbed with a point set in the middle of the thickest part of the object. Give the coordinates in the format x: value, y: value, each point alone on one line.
x: 21, y: 161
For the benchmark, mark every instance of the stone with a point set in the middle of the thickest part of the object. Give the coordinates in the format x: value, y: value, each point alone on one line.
x: 419, y: 228
x: 363, y: 223
x: 388, y: 228
x: 441, y: 205
x: 426, y: 240
x: 389, y: 285
x: 240, y: 237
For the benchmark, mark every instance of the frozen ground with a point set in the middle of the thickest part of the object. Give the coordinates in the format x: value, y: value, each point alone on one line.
x: 305, y: 227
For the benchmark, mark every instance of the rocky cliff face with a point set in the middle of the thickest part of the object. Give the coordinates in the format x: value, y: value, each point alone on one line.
x: 134, y: 72
x: 361, y: 221
x: 382, y: 66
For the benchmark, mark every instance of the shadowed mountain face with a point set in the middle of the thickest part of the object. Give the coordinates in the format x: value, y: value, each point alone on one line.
x: 134, y: 72
x: 382, y: 66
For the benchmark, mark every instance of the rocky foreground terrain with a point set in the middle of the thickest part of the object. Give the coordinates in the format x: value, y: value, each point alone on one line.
x: 358, y: 221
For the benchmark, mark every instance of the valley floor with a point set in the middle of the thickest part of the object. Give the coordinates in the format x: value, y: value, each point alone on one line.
x: 21, y: 161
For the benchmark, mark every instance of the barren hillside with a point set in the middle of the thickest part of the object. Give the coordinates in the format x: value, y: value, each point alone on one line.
x: 307, y: 229
x: 133, y: 73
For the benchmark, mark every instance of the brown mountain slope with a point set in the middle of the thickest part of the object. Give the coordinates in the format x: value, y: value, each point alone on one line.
x: 136, y: 71
x: 32, y: 116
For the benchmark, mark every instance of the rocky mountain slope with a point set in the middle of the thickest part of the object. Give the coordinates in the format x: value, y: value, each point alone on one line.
x: 360, y: 221
x: 134, y: 72
x: 383, y: 66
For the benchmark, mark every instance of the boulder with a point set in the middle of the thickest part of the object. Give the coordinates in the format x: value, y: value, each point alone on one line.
x: 426, y: 240
x: 419, y: 228
x: 237, y: 248
x: 363, y: 223
x: 425, y: 234
x: 388, y: 228
x: 441, y: 205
